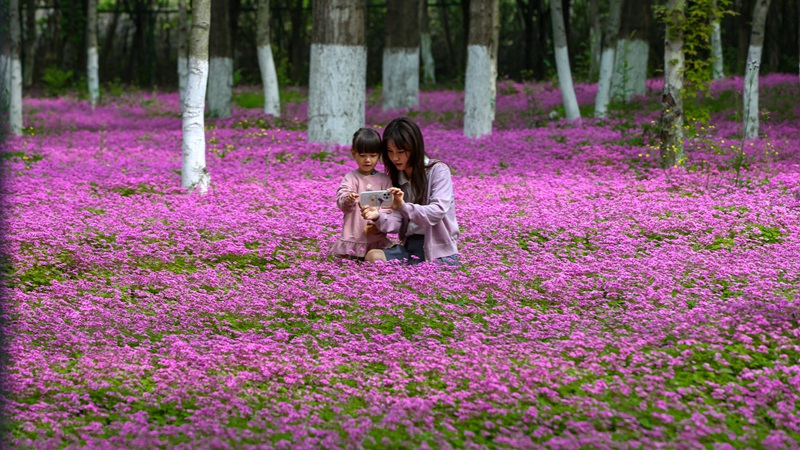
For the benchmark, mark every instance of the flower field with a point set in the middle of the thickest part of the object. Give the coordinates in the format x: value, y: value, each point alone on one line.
x: 602, y: 302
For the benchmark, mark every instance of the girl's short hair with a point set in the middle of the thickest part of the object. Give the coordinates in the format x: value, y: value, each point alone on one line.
x: 366, y: 140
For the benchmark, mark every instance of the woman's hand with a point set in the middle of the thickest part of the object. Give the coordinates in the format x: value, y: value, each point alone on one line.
x: 397, y: 198
x: 350, y: 199
x: 370, y: 213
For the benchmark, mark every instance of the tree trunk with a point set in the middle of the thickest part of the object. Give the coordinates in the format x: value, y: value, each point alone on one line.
x: 92, y: 68
x: 753, y: 64
x: 107, y: 50
x: 428, y: 67
x: 11, y: 68
x: 671, y: 100
x: 480, y: 85
x: 298, y: 41
x: 607, y: 59
x: 183, y: 49
x: 30, y: 43
x: 562, y: 63
x: 338, y: 70
x: 401, y: 55
x: 194, y: 175
x: 595, y: 39
x: 716, y: 43
x: 269, y: 77
x: 220, y: 69
x: 630, y: 66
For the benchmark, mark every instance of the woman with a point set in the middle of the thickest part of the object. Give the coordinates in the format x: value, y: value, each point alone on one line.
x: 424, y: 211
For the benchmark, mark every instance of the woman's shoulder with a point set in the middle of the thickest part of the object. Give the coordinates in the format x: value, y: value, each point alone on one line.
x: 437, y: 167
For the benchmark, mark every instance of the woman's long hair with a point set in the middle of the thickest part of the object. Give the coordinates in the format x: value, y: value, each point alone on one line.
x: 405, y: 134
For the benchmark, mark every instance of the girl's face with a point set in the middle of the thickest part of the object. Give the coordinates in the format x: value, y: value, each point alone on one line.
x: 366, y: 161
x: 398, y: 156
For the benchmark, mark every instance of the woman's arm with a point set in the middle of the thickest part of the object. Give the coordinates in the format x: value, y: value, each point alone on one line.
x: 440, y: 195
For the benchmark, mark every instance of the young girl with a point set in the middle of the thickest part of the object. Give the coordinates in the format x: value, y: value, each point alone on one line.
x: 358, y: 235
x: 424, y: 206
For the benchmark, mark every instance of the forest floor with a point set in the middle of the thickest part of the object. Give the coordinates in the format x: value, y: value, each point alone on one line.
x: 602, y: 302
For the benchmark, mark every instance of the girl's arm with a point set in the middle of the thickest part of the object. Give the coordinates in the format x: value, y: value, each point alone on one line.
x: 440, y: 195
x: 343, y: 194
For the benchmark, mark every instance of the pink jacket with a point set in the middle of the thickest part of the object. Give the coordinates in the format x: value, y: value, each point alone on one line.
x: 354, y: 240
x: 437, y: 219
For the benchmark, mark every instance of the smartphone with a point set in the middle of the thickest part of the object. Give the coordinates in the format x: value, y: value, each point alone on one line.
x: 376, y: 199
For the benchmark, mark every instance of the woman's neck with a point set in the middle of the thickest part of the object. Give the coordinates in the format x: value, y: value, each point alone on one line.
x: 408, y: 171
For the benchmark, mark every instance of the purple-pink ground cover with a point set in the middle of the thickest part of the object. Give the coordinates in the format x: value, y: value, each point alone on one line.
x: 602, y: 303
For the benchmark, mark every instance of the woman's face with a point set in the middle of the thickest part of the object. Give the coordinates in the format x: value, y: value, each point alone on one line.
x: 398, y: 156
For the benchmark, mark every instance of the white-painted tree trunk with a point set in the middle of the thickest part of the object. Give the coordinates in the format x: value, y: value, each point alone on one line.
x: 671, y: 98
x: 183, y: 50
x: 630, y: 69
x: 336, y: 92
x: 607, y: 60
x: 92, y: 63
x: 12, y: 65
x: 716, y: 50
x: 269, y: 78
x: 428, y: 66
x: 751, y: 119
x: 220, y: 86
x: 194, y: 174
x: 479, y: 92
x: 400, y: 78
x: 266, y: 63
x: 562, y: 63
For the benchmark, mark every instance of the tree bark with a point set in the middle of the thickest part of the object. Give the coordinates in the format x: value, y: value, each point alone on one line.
x: 30, y: 43
x: 220, y: 69
x: 269, y: 76
x: 671, y: 100
x: 11, y: 68
x: 595, y: 38
x: 630, y: 68
x: 194, y: 174
x: 92, y: 69
x: 183, y: 49
x: 562, y: 63
x: 338, y: 70
x: 753, y: 64
x: 480, y: 84
x: 716, y: 43
x: 428, y: 66
x: 401, y: 55
x: 607, y: 59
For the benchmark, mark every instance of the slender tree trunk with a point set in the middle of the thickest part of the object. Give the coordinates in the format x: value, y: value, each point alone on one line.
x: 30, y: 43
x: 480, y: 88
x: 401, y: 55
x: 11, y: 68
x: 607, y: 59
x: 671, y: 100
x: 448, y: 37
x: 753, y: 64
x: 745, y: 9
x: 194, y: 175
x: 562, y: 63
x: 183, y: 49
x: 716, y: 43
x: 338, y: 70
x: 269, y: 77
x: 298, y: 41
x: 220, y: 69
x: 428, y: 67
x: 111, y: 32
x: 595, y: 38
x: 92, y: 69
x: 630, y: 67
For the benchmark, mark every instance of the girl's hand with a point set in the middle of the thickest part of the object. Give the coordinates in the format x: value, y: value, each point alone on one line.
x: 351, y: 198
x: 370, y: 213
x: 397, y: 198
